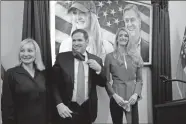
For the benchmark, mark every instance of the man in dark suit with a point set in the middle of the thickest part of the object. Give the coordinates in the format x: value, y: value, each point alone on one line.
x: 75, y: 75
x: 144, y: 50
x: 132, y: 19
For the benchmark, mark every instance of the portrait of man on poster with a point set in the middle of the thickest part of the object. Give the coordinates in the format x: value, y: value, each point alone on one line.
x: 132, y: 19
x: 105, y: 18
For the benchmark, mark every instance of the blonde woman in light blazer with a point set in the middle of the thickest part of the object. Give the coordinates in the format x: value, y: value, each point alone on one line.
x: 125, y: 66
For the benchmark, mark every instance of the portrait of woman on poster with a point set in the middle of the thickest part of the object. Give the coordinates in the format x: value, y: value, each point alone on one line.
x: 84, y: 16
x: 24, y: 88
x: 125, y: 67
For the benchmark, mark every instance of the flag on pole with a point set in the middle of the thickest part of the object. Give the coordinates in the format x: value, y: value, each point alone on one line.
x: 181, y: 68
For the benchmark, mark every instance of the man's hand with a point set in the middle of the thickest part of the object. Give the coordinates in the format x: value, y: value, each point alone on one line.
x: 63, y: 110
x: 94, y: 65
x: 133, y: 99
x: 119, y: 100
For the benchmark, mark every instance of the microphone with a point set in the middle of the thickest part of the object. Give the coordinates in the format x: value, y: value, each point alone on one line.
x: 164, y: 78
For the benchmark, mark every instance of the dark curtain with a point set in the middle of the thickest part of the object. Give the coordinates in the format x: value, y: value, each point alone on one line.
x: 36, y: 25
x: 161, y: 54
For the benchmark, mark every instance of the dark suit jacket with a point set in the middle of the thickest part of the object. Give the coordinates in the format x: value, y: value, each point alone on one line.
x: 63, y: 77
x: 23, y: 97
x: 144, y: 50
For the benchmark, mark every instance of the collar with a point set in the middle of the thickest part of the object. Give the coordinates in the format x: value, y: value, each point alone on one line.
x: 19, y: 69
x: 86, y: 55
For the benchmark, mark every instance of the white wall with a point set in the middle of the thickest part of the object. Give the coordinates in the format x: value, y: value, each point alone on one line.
x: 11, y: 31
x: 177, y: 15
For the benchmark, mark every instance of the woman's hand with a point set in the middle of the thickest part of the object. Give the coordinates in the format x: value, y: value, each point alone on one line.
x: 119, y: 100
x: 133, y: 99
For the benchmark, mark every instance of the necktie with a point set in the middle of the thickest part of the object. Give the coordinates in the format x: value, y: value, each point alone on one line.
x: 80, y: 96
x: 78, y: 55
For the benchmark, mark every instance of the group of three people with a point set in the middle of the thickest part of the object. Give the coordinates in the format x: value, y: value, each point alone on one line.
x: 75, y: 75
x: 74, y: 78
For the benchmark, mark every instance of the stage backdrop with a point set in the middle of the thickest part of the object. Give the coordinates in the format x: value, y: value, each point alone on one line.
x: 110, y: 17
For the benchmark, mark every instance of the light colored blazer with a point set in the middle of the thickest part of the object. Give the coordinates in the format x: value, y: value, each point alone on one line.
x: 126, y: 81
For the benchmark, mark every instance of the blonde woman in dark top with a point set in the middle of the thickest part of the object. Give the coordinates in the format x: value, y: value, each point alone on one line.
x: 24, y: 89
x: 125, y: 67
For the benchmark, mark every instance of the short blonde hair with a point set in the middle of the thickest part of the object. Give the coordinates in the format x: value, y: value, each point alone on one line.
x: 132, y: 7
x: 38, y: 59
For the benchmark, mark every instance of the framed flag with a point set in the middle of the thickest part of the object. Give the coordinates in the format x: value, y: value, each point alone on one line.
x: 105, y: 17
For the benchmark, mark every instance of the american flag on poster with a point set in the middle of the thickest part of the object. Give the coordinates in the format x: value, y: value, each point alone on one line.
x: 181, y: 68
x: 109, y: 14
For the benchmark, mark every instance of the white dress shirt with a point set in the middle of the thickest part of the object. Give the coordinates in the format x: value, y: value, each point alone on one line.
x: 86, y: 70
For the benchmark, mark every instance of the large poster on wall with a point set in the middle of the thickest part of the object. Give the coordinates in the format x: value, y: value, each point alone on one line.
x: 104, y: 19
x: 101, y: 19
